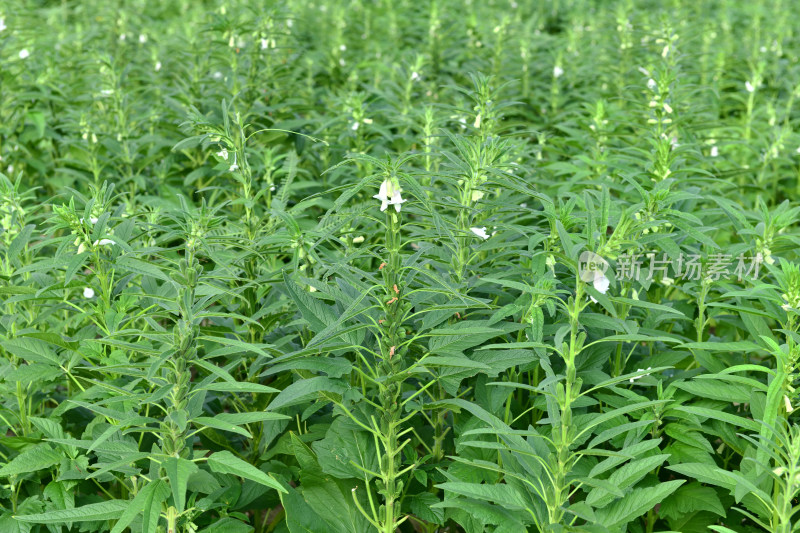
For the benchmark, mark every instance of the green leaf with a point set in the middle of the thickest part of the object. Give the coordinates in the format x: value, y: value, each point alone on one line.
x: 314, y: 311
x: 636, y: 503
x: 140, y: 267
x: 345, y: 448
x: 688, y: 435
x: 334, y: 367
x: 178, y: 471
x: 255, y: 388
x: 151, y: 510
x: 221, y: 425
x: 704, y: 473
x: 302, y: 390
x: 421, y: 506
x: 722, y: 416
x: 231, y: 421
x: 624, y: 477
x: 143, y: 503
x: 226, y: 463
x: 246, y: 347
x: 60, y: 494
x: 601, y: 485
x: 689, y: 499
x: 32, y: 460
x: 647, y: 305
x: 249, y: 418
x: 189, y: 142
x: 453, y: 361
x: 228, y: 525
x: 505, y: 495
x: 737, y: 346
x: 32, y: 350
x: 716, y: 390
x: 323, y: 493
x: 459, y: 337
x: 300, y: 517
x: 614, y: 413
x: 107, y: 510
x: 19, y: 242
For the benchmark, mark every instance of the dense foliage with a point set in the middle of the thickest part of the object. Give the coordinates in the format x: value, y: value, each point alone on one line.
x: 377, y: 266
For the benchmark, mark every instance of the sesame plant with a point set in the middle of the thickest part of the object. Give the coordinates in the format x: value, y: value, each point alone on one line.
x: 399, y: 267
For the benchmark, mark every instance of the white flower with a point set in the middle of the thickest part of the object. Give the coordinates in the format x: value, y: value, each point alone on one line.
x: 88, y: 293
x: 644, y: 71
x: 217, y: 75
x: 673, y: 142
x: 480, y: 232
x: 415, y: 76
x: 2, y: 24
x: 122, y: 37
x: 93, y: 220
x: 358, y: 240
x: 640, y: 377
x: 223, y: 154
x: 389, y: 194
x: 749, y: 86
x: 343, y: 47
x: 341, y: 62
x: 714, y: 151
x: 23, y: 54
x: 142, y: 38
x: 234, y: 167
x: 477, y: 123
x: 558, y: 71
x: 600, y: 283
x: 366, y: 120
x: 264, y: 44
x: 103, y: 242
x: 354, y: 127
x: 788, y: 404
x: 651, y: 84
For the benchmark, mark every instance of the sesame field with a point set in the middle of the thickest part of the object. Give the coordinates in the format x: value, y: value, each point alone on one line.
x: 396, y: 266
